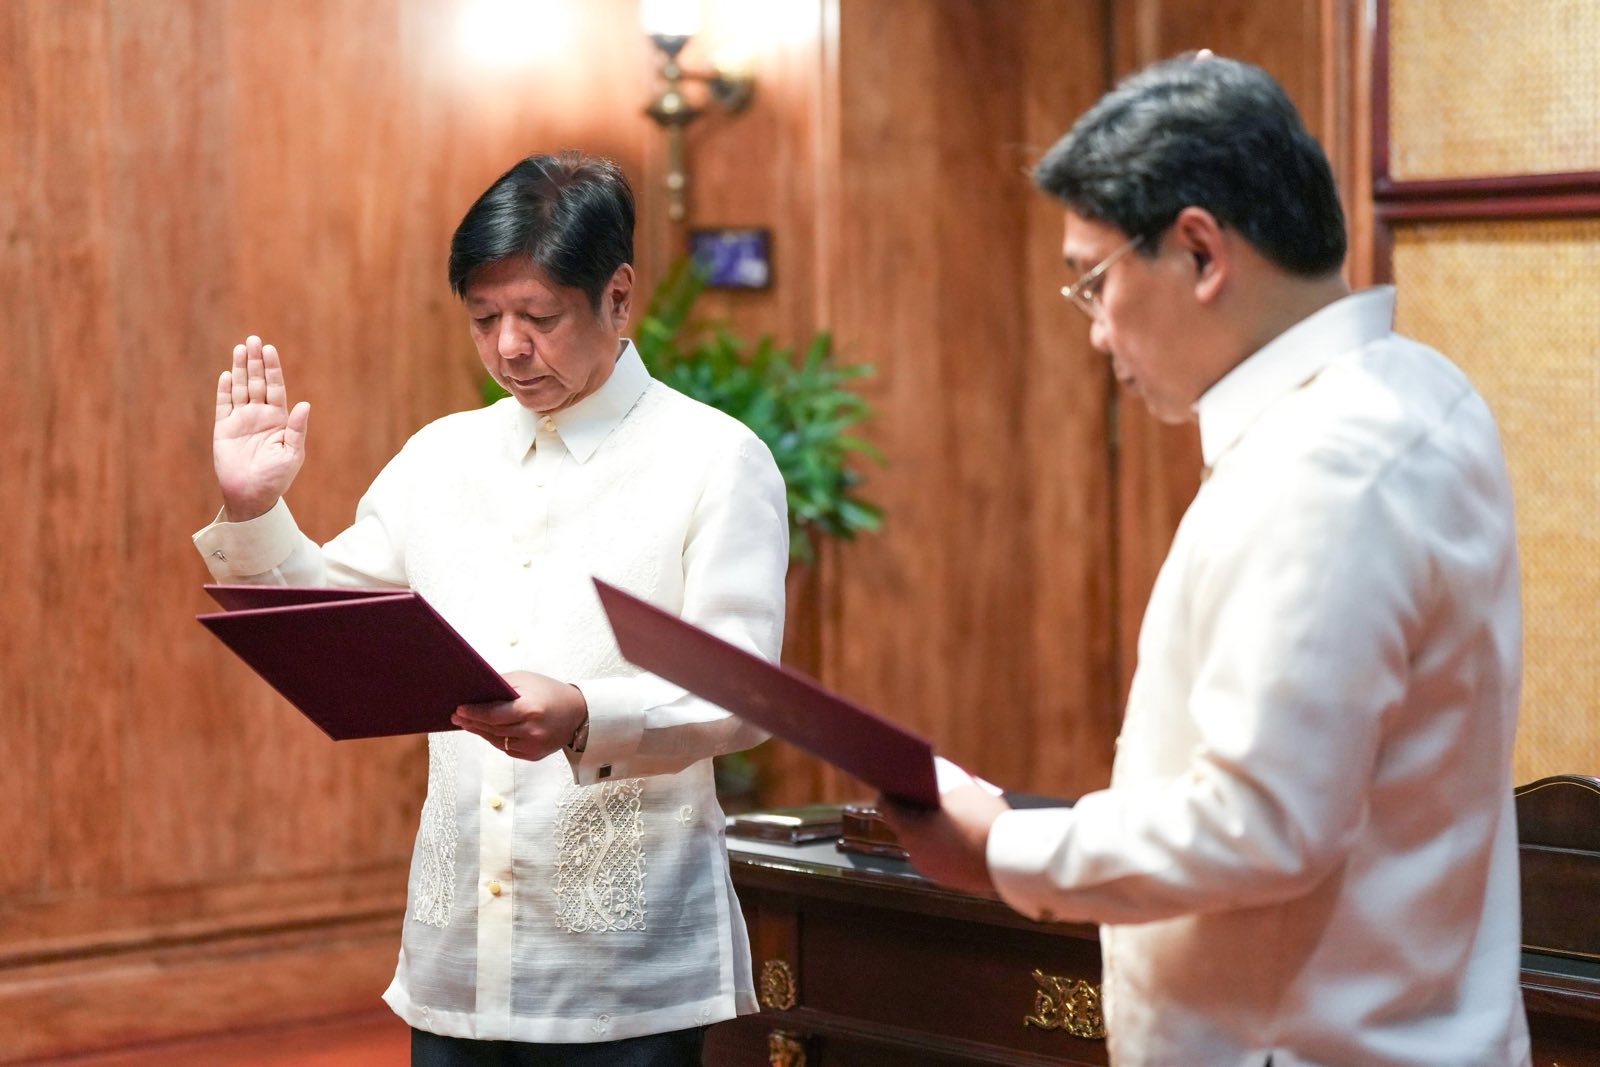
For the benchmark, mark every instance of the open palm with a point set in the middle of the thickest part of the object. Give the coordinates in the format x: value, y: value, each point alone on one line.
x: 259, y: 442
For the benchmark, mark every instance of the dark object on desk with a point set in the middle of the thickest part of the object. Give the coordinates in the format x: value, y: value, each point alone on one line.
x: 783, y: 702
x: 865, y: 832
x: 358, y: 663
x: 791, y: 826
x: 1558, y: 829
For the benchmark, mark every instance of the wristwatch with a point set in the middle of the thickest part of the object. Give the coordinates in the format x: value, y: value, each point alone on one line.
x: 580, y: 736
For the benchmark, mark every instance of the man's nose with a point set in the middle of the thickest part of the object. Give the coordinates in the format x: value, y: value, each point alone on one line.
x: 511, y: 342
x: 1100, y: 335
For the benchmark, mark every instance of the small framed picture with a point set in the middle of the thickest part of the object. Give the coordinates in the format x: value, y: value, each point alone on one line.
x: 733, y: 258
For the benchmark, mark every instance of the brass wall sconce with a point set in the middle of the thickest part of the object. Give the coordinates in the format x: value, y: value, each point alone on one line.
x: 669, y: 24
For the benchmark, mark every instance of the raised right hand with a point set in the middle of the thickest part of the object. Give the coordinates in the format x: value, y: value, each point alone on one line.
x: 258, y: 443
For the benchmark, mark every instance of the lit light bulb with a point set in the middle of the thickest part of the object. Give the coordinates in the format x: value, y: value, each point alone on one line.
x: 507, y: 34
x: 670, y: 18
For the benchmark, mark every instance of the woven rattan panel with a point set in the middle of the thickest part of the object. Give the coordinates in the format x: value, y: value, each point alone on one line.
x: 1493, y: 87
x: 1516, y: 305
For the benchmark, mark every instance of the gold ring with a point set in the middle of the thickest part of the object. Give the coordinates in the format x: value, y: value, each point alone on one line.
x: 505, y: 742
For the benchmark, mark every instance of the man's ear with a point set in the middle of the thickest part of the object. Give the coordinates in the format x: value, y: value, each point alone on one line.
x: 1202, y: 237
x: 617, y: 301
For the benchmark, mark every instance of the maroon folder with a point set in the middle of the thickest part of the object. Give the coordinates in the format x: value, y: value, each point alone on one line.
x: 357, y: 662
x: 779, y: 700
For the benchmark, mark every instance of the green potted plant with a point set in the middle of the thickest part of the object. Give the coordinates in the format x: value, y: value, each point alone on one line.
x: 803, y: 409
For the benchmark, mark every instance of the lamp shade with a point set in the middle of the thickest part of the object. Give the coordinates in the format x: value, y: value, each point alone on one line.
x: 670, y: 18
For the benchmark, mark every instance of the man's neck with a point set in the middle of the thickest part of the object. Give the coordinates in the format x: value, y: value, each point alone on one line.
x: 1288, y: 300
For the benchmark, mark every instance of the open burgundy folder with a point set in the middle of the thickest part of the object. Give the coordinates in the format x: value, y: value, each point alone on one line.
x: 781, y: 701
x: 357, y: 662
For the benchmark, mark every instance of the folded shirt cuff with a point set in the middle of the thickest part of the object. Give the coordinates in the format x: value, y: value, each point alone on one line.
x: 1021, y: 847
x: 245, y: 549
x: 616, y: 726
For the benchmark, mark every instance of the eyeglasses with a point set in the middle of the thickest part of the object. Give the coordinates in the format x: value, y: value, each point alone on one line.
x: 1084, y: 294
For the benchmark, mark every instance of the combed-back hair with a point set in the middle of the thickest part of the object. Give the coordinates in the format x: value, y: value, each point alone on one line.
x: 570, y: 214
x: 1206, y: 131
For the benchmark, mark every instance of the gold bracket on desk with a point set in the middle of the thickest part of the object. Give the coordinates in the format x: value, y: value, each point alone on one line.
x: 776, y: 990
x: 785, y: 1049
x: 1069, y: 1004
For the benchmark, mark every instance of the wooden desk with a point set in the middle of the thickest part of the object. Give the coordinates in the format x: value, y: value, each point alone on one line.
x: 861, y: 962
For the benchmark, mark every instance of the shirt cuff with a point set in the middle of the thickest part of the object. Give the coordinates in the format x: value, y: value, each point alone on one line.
x: 1022, y: 846
x: 616, y: 726
x: 245, y: 549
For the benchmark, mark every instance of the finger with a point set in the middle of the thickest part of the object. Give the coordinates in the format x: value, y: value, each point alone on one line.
x: 276, y: 394
x: 257, y: 374
x: 487, y: 735
x: 224, y: 395
x: 294, y: 432
x: 487, y: 715
x: 240, y: 393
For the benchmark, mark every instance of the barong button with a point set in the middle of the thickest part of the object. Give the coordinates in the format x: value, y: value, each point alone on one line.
x: 494, y: 889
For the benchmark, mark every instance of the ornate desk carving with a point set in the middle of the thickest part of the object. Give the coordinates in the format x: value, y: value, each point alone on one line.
x: 1069, y: 1004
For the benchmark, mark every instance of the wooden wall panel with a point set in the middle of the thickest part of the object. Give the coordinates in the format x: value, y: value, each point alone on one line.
x: 23, y: 863
x: 85, y: 470
x: 971, y: 617
x: 1075, y: 712
x: 184, y: 174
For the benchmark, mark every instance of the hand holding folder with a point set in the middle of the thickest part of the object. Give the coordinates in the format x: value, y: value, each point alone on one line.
x: 780, y: 701
x: 357, y: 662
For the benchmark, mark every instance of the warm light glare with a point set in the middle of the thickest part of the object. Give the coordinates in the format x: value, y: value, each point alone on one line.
x: 745, y: 30
x: 670, y: 18
x: 513, y: 33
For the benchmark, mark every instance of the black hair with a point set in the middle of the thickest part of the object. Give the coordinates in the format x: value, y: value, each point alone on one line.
x: 1211, y: 132
x: 570, y: 214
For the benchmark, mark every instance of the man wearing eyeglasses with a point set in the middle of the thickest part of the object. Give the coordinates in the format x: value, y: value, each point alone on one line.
x: 1307, y: 853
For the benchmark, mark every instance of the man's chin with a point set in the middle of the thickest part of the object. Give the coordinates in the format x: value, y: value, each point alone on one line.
x: 539, y: 398
x: 1164, y: 410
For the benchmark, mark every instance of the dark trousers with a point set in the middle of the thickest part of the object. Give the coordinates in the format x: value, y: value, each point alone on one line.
x: 680, y: 1048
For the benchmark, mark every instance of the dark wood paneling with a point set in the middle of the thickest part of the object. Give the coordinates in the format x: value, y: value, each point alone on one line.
x: 148, y: 995
x: 181, y: 175
x: 1075, y: 712
x: 80, y: 633
x: 25, y: 402
x: 977, y: 616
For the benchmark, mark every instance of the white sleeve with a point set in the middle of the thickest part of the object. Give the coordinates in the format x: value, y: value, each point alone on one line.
x: 271, y: 549
x: 735, y: 557
x: 1301, y: 619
